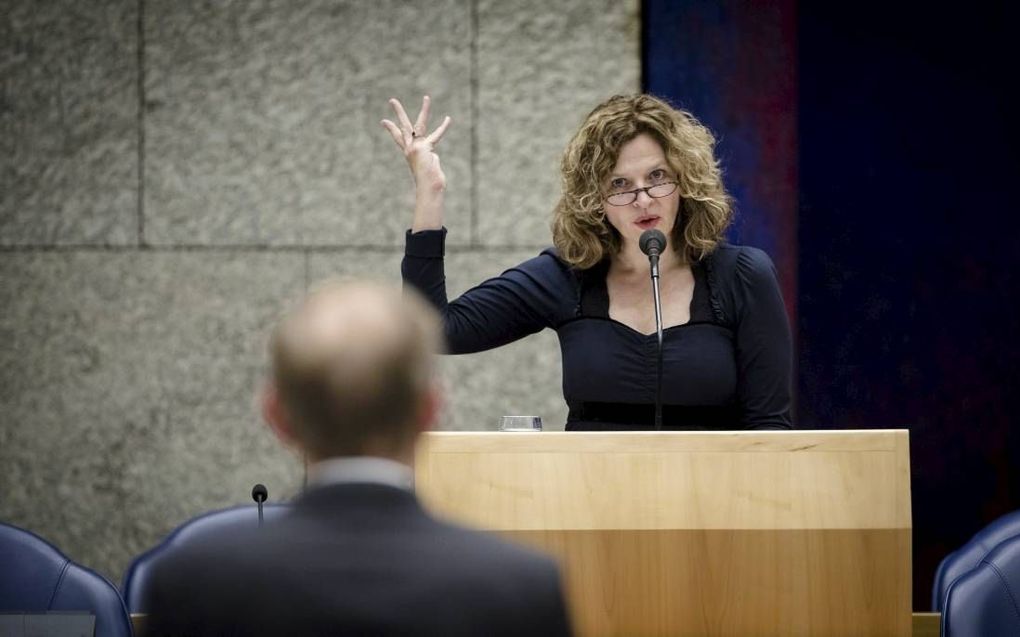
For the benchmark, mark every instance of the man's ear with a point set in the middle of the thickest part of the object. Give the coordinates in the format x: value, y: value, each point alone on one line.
x: 431, y: 407
x: 275, y: 415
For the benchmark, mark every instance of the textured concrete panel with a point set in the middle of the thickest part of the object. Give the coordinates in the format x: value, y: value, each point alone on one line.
x: 68, y: 122
x: 262, y: 123
x: 126, y: 393
x: 523, y: 378
x: 541, y: 68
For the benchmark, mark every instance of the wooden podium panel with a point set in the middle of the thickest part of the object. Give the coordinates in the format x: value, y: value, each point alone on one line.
x: 697, y: 533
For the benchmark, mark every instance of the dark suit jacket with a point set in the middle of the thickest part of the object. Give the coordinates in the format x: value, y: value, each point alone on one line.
x: 356, y: 559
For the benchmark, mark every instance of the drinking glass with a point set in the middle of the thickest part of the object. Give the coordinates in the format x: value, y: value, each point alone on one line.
x: 520, y: 423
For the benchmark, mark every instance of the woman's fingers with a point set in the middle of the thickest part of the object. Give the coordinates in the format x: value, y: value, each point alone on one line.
x: 421, y: 124
x: 438, y: 133
x: 405, y: 122
x: 404, y: 133
x: 394, y: 131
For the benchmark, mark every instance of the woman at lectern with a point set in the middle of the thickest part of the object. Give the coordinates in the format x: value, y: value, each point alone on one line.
x: 635, y: 164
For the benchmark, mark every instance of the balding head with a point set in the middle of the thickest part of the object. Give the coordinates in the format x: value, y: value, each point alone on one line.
x: 353, y: 370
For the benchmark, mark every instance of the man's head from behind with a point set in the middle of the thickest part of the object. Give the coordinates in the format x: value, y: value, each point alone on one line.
x: 353, y: 372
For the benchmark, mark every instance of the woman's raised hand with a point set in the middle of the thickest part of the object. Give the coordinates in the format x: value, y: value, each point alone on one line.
x: 419, y: 146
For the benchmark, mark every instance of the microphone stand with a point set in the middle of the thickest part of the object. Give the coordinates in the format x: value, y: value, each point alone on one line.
x: 654, y: 259
x: 652, y: 242
x: 259, y: 493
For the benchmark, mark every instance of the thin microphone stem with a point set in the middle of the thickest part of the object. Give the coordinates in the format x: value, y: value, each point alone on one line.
x: 259, y: 494
x: 652, y: 242
x: 658, y: 333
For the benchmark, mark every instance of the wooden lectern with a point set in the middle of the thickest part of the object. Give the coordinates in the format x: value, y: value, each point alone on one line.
x: 697, y: 533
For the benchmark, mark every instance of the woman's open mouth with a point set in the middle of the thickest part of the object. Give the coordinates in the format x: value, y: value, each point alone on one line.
x: 646, y: 222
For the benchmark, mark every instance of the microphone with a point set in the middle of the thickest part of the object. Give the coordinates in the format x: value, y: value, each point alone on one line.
x: 652, y: 242
x: 259, y: 493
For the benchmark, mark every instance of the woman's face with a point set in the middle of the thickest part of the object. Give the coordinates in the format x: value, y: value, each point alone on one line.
x: 641, y: 164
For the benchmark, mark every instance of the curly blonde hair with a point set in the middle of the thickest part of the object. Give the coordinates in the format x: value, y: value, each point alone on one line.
x: 582, y: 235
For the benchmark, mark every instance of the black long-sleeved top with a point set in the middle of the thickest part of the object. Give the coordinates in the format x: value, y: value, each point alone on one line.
x: 729, y: 367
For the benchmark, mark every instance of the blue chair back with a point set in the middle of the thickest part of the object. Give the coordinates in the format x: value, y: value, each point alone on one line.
x: 984, y: 601
x: 970, y: 555
x: 139, y: 573
x: 35, y: 577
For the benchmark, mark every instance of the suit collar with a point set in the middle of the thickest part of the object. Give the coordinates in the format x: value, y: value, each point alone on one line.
x: 349, y: 495
x: 360, y: 469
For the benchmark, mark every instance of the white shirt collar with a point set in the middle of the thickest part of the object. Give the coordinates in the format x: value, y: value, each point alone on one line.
x: 371, y: 469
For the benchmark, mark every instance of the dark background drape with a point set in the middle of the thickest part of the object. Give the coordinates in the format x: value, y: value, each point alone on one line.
x: 872, y: 149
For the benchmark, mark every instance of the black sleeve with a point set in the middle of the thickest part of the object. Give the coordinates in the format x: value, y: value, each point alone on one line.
x: 558, y: 617
x: 521, y: 301
x: 547, y: 614
x: 190, y: 593
x: 764, y: 348
x: 173, y: 608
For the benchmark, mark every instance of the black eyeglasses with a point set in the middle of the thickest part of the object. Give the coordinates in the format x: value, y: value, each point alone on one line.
x: 655, y: 192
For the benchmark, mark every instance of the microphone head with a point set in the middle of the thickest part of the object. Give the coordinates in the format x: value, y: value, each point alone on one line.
x: 259, y: 493
x: 652, y: 239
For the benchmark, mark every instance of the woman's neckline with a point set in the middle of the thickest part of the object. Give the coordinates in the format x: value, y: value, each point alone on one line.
x: 594, y: 297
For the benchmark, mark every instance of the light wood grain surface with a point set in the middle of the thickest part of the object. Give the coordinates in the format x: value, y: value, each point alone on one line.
x: 731, y: 533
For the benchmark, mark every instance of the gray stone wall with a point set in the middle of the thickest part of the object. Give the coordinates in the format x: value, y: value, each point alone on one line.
x: 174, y: 174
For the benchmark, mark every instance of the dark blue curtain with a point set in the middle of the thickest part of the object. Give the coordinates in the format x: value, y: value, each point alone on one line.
x: 905, y: 156
x: 736, y: 72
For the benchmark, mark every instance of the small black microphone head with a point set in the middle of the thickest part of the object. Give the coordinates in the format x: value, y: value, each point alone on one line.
x: 259, y: 493
x: 652, y: 239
